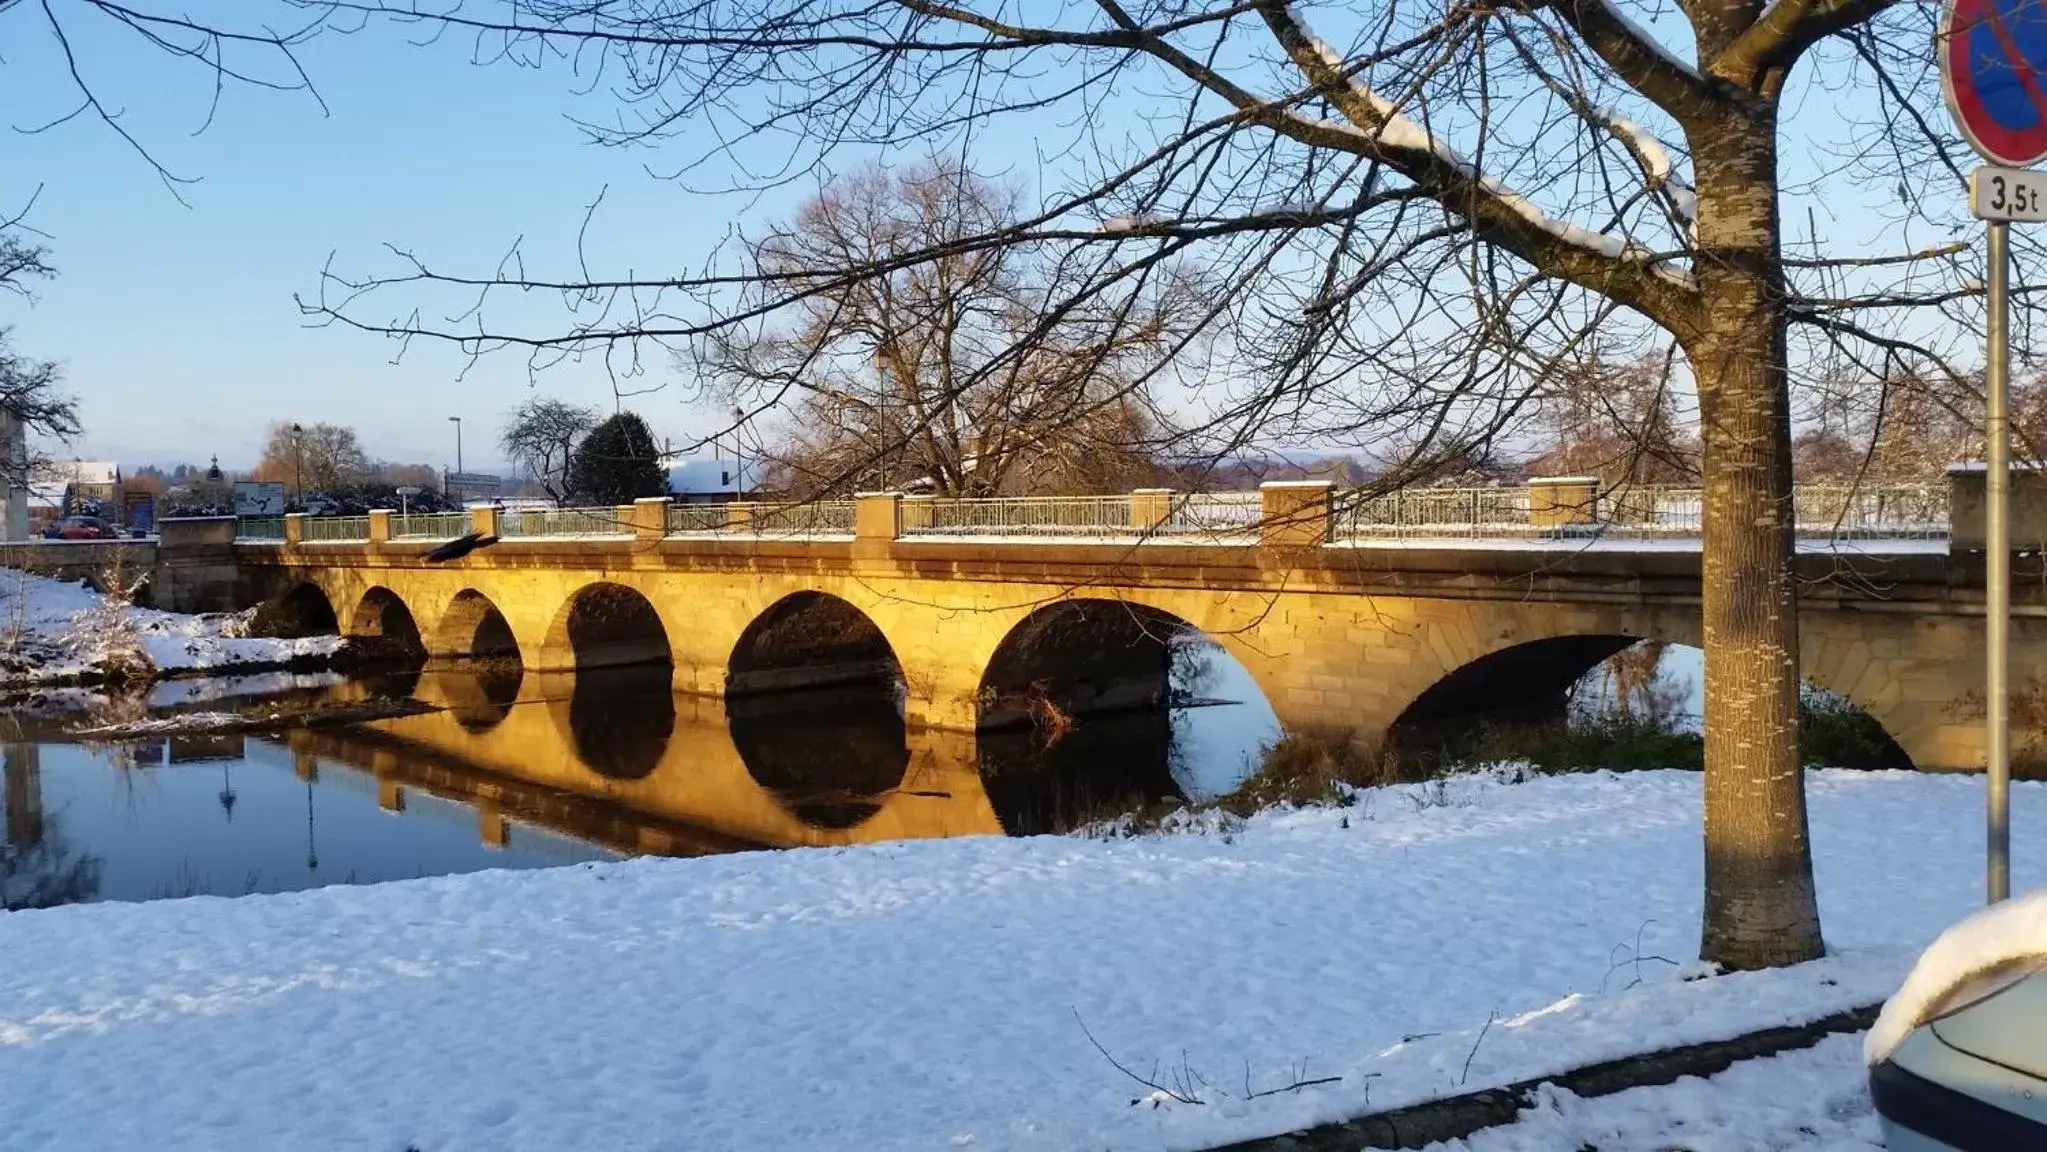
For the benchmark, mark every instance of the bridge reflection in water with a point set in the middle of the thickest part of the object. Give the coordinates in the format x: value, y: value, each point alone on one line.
x: 612, y: 757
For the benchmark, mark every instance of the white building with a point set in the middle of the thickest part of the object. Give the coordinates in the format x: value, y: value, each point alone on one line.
x: 710, y: 481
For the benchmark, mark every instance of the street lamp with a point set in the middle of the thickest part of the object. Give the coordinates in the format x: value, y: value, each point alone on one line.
x: 298, y: 467
x: 457, y: 422
x: 738, y: 456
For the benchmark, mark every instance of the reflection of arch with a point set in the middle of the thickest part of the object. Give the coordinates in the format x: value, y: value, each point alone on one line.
x: 396, y: 684
x: 1080, y: 656
x: 810, y: 640
x: 480, y: 696
x: 382, y: 626
x: 830, y: 758
x: 607, y: 625
x: 618, y: 718
x: 1104, y: 768
x: 473, y: 626
x: 302, y: 611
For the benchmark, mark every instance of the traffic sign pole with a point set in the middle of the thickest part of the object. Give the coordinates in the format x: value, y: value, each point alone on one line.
x: 1986, y: 50
x: 1997, y: 563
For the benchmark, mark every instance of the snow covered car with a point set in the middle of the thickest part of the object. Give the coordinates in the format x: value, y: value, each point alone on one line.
x: 1958, y: 1059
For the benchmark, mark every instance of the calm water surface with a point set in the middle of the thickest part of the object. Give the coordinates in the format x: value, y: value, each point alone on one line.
x: 520, y: 770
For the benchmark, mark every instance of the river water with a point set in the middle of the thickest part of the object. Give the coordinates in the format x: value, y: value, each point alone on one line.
x: 517, y: 770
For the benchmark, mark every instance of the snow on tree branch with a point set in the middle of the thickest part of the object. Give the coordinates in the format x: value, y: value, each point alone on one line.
x: 1557, y: 246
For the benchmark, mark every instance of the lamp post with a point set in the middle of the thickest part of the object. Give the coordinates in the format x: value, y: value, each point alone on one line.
x: 298, y: 467
x: 457, y: 422
x: 738, y: 456
x: 312, y: 856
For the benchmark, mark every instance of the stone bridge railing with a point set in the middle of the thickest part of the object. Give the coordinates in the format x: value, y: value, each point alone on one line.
x: 1296, y: 512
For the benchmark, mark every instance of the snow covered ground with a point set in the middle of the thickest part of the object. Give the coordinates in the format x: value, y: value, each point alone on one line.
x: 1816, y: 1099
x: 933, y: 994
x: 53, y: 630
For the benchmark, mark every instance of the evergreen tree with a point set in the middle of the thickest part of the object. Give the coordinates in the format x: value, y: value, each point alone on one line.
x: 617, y: 463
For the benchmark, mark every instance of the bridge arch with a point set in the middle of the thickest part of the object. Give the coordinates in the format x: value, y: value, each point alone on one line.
x: 607, y: 625
x: 382, y: 625
x: 1531, y: 680
x: 1088, y: 654
x: 811, y: 639
x: 474, y: 627
x: 302, y: 610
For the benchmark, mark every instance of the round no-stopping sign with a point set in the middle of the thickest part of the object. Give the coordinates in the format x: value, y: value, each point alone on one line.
x: 1993, y: 67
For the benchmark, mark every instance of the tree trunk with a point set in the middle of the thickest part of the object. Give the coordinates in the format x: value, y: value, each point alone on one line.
x: 1760, y: 905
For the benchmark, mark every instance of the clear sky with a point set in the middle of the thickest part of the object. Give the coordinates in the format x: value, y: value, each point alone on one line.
x: 176, y: 322
x: 177, y: 325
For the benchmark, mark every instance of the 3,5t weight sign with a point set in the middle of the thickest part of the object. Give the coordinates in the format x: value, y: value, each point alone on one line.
x: 2008, y: 194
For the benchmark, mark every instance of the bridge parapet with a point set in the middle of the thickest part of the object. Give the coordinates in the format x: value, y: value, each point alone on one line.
x: 1285, y: 515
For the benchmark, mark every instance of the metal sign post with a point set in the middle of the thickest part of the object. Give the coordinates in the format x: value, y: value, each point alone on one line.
x: 1997, y: 565
x: 1985, y: 49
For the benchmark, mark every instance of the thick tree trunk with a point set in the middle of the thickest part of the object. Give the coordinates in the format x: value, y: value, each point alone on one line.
x: 1760, y: 905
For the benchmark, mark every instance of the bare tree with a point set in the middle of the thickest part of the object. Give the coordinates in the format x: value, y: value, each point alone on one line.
x: 1617, y: 420
x: 541, y: 436
x: 30, y: 389
x: 1405, y: 228
x: 963, y: 371
x: 1903, y: 426
x: 313, y: 457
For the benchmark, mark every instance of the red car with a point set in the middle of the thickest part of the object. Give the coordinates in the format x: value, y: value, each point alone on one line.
x: 81, y: 528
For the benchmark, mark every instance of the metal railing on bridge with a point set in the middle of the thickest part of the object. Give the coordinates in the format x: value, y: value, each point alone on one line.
x: 1209, y: 514
x: 688, y: 518
x: 531, y: 522
x: 429, y: 525
x: 808, y: 518
x: 336, y: 529
x: 1551, y: 509
x: 259, y: 528
x: 1017, y: 516
x: 1497, y: 510
x: 1820, y: 511
x: 1641, y: 512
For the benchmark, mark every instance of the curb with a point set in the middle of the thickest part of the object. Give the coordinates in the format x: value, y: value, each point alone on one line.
x: 1455, y: 1117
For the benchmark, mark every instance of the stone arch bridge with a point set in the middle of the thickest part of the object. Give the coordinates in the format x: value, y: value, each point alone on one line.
x: 982, y: 630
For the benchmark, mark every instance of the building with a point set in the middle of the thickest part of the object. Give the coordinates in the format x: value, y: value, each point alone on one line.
x: 90, y: 486
x: 45, y: 504
x: 715, y: 481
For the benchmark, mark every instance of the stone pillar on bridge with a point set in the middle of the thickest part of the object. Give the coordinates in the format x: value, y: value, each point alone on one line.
x: 1554, y: 501
x: 483, y: 520
x: 491, y: 826
x: 649, y: 517
x: 1966, y: 529
x: 380, y: 526
x: 197, y: 569
x: 877, y: 517
x: 1294, y: 513
x: 739, y: 516
x: 1150, y: 508
x: 294, y: 529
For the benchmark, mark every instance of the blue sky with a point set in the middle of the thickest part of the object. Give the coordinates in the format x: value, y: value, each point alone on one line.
x: 177, y: 323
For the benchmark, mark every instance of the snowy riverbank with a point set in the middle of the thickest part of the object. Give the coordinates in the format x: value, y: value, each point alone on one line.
x: 57, y: 632
x: 932, y: 994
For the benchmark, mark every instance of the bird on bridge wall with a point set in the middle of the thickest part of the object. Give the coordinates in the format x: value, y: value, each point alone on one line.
x: 459, y: 547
